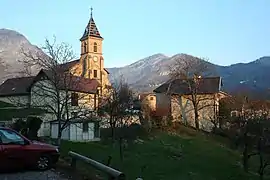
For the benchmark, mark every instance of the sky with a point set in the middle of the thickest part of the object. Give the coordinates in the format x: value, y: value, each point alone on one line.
x: 222, y: 31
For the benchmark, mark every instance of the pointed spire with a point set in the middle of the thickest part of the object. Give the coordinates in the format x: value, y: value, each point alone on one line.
x: 91, y: 28
x: 91, y: 15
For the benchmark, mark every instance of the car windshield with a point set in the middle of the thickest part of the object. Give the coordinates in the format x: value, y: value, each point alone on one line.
x: 10, y: 137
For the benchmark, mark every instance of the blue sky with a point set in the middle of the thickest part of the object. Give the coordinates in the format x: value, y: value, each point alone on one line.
x: 224, y: 31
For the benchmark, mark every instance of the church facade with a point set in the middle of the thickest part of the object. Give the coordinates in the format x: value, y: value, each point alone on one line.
x: 92, y: 83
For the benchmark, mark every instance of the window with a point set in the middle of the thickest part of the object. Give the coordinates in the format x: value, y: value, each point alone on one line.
x: 95, y: 73
x: 10, y: 137
x: 151, y: 98
x: 85, y: 47
x: 95, y: 47
x: 85, y: 126
x: 74, y: 99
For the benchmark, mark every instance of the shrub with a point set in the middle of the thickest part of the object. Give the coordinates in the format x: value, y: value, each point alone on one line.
x: 33, y: 124
x: 28, y: 128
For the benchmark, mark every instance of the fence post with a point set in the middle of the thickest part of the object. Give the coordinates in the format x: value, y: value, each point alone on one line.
x: 73, y: 163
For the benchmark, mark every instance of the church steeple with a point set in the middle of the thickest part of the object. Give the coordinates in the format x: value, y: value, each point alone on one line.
x: 91, y: 28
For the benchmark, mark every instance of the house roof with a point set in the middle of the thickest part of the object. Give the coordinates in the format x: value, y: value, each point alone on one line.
x: 70, y: 82
x: 207, y: 85
x: 91, y: 29
x: 16, y: 86
x: 21, y: 85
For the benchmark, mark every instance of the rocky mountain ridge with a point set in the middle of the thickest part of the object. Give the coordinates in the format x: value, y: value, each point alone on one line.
x: 149, y: 72
x: 144, y: 74
x: 12, y: 44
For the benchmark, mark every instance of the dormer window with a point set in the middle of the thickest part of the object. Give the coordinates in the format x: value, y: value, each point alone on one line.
x: 95, y: 47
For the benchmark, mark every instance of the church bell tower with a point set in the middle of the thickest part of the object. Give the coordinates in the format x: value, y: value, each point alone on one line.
x: 91, y: 51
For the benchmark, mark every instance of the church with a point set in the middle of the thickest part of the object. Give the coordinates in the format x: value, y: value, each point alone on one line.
x: 92, y: 82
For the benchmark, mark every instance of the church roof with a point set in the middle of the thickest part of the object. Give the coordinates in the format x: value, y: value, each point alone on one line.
x: 91, y: 29
x: 67, y: 66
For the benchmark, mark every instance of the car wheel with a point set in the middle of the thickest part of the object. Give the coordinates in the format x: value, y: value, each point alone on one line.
x: 43, y: 163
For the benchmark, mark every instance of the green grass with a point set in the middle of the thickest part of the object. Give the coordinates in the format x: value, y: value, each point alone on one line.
x: 201, y: 157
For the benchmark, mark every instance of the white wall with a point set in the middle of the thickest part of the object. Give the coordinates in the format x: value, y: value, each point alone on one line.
x: 45, y: 129
x: 54, y: 132
x: 77, y: 134
x: 43, y: 95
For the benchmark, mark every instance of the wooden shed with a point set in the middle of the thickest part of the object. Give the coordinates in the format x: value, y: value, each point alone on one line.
x: 80, y: 130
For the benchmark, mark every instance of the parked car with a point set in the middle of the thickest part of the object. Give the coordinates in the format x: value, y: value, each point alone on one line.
x: 16, y: 151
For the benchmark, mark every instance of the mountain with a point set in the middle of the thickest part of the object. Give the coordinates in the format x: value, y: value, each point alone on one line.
x: 145, y: 74
x: 12, y: 44
x: 148, y: 73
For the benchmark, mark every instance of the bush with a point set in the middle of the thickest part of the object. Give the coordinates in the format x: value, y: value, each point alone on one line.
x: 33, y: 124
x: 28, y: 128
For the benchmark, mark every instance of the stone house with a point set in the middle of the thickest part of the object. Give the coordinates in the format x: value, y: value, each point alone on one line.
x: 174, y: 99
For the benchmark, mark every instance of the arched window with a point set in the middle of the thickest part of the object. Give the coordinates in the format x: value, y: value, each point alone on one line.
x: 84, y: 66
x: 85, y: 47
x: 95, y: 47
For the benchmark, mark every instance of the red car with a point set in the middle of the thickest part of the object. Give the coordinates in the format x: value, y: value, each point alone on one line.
x: 16, y: 151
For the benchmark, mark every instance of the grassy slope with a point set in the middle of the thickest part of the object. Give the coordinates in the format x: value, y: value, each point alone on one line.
x: 202, y: 158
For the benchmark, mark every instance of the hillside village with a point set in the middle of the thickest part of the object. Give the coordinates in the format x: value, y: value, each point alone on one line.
x: 84, y: 83
x: 76, y: 101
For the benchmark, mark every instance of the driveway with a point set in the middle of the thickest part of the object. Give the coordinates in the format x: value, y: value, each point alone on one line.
x: 34, y: 175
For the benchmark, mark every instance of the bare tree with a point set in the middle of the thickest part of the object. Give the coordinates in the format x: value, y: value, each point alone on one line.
x: 118, y: 107
x: 190, y: 71
x: 65, y: 97
x: 249, y: 128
